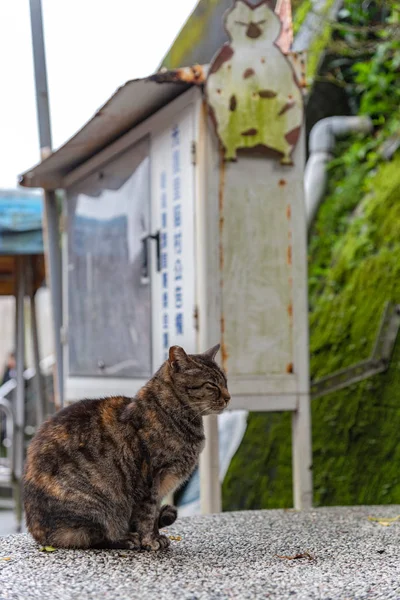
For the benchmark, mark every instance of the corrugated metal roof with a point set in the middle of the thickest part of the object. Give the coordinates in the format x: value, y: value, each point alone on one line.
x: 130, y: 105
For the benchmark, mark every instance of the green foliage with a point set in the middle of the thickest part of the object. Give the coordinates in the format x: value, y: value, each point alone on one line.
x: 299, y: 14
x: 317, y: 48
x: 354, y: 269
x: 378, y: 80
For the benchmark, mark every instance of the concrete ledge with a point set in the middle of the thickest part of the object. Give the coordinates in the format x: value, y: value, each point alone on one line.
x: 232, y: 555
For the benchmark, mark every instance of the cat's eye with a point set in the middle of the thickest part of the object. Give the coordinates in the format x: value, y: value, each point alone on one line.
x: 247, y: 24
x: 212, y: 386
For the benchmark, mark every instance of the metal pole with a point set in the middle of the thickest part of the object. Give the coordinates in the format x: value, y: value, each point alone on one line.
x: 38, y: 380
x: 210, y: 486
x: 20, y: 389
x: 51, y: 223
x: 302, y: 454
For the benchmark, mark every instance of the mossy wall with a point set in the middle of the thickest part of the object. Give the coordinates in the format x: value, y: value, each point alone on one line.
x: 354, y: 271
x: 203, y: 33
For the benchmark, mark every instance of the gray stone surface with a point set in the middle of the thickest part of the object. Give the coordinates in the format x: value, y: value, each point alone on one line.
x: 233, y: 555
x: 8, y: 523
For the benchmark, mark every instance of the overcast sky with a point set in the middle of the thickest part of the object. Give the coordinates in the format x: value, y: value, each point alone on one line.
x: 92, y: 47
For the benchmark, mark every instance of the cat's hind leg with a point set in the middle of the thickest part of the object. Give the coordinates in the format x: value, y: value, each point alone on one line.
x: 129, y: 542
x: 73, y: 537
x: 167, y: 516
x: 83, y: 538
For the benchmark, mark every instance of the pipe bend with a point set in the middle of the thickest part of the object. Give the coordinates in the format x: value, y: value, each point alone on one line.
x: 324, y: 133
x: 321, y: 144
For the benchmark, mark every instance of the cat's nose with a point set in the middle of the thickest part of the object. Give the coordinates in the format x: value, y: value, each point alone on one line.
x: 253, y: 31
x: 226, y: 395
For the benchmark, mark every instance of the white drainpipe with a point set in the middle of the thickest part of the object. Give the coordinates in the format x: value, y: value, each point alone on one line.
x: 321, y: 146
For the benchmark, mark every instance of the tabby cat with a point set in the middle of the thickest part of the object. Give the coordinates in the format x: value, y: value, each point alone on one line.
x: 97, y: 470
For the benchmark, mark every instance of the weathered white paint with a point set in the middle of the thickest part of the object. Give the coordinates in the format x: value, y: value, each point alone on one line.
x: 171, y: 159
x: 249, y: 282
x: 256, y: 289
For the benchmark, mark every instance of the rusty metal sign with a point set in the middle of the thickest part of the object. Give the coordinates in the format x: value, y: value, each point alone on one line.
x: 252, y: 90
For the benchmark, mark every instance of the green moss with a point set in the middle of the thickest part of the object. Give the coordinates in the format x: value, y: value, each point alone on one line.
x: 195, y: 31
x: 191, y: 34
x: 263, y: 463
x: 299, y: 14
x: 355, y: 431
x: 316, y: 50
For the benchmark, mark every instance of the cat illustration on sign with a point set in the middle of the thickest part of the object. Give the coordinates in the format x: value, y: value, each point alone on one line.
x: 251, y: 89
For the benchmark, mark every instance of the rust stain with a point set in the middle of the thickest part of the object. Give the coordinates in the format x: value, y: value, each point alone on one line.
x: 290, y: 310
x: 221, y: 190
x: 289, y: 368
x: 267, y: 94
x: 222, y: 57
x: 248, y: 73
x: 287, y: 107
x: 195, y: 75
x: 253, y: 31
x: 282, y: 182
x: 221, y: 209
x: 297, y: 60
x: 293, y: 135
x: 221, y: 252
x: 224, y: 355
x: 251, y: 131
x: 289, y: 211
x: 289, y: 255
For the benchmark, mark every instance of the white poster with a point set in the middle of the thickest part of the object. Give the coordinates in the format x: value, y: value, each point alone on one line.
x: 173, y: 208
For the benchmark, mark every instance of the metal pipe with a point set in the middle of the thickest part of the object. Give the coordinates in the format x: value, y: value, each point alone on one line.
x: 18, y: 461
x: 210, y: 486
x: 38, y: 379
x: 6, y: 408
x: 51, y: 224
x: 321, y: 146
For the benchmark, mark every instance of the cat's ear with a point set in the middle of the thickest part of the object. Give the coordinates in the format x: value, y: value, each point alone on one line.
x: 212, y: 352
x: 177, y: 358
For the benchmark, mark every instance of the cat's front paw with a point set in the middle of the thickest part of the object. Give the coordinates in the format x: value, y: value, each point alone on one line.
x: 155, y: 542
x: 133, y: 541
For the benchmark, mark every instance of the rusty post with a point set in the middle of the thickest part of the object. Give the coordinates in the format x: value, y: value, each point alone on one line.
x: 50, y: 224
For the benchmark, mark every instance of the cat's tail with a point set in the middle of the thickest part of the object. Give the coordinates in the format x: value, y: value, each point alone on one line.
x: 168, y: 515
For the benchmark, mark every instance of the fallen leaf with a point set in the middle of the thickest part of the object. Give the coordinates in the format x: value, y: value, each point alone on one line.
x: 296, y: 556
x: 5, y: 558
x: 385, y: 522
x: 175, y: 538
x: 47, y: 549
